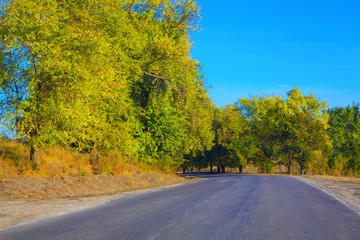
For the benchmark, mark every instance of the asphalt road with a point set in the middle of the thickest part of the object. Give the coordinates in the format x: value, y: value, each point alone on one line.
x: 222, y: 207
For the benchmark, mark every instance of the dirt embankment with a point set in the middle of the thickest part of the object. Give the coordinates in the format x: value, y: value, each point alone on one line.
x: 67, y: 186
x: 25, y: 200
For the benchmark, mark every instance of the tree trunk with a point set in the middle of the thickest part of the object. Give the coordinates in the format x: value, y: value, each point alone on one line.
x: 211, y: 168
x: 240, y: 169
x: 34, y: 158
x: 32, y: 151
x: 289, y: 167
x: 219, y: 169
x: 223, y: 168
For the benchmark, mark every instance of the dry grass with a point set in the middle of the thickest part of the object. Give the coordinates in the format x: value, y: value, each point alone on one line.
x: 57, y: 162
x: 12, y: 159
x: 15, y: 162
x: 8, y: 170
x: 67, y: 174
x: 70, y: 186
x: 334, y: 178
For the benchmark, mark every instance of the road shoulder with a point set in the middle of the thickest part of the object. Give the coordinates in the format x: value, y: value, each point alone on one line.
x: 345, y: 190
x: 22, y: 211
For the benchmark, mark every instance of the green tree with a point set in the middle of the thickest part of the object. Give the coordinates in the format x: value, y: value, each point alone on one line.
x: 201, y: 137
x: 264, y: 115
x: 227, y: 125
x: 288, y: 132
x: 309, y: 120
x: 164, y: 80
x: 344, y: 131
x: 69, y: 75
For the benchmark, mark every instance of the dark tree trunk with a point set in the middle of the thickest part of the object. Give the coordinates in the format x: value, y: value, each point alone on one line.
x: 184, y: 170
x: 223, y: 168
x: 32, y: 151
x: 211, y: 168
x: 34, y: 158
x: 240, y: 169
x: 219, y: 169
x: 35, y: 154
x: 289, y: 167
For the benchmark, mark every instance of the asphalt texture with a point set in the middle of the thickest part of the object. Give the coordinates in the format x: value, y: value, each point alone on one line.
x: 221, y: 207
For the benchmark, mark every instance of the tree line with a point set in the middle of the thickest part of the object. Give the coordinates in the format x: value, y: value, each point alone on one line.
x: 117, y: 77
x: 299, y: 133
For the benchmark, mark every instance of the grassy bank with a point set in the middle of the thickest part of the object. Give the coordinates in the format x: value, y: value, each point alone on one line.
x: 67, y: 174
x: 70, y: 186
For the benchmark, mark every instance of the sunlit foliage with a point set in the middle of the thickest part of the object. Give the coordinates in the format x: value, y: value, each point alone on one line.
x: 116, y: 78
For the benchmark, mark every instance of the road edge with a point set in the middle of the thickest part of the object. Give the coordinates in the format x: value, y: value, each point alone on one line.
x: 112, y: 197
x: 337, y: 197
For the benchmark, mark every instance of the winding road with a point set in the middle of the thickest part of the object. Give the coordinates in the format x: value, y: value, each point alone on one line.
x: 220, y: 207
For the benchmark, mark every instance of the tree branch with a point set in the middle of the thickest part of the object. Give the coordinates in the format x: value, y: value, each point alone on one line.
x: 164, y: 78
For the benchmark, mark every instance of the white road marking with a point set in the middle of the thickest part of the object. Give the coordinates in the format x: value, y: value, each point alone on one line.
x: 155, y: 236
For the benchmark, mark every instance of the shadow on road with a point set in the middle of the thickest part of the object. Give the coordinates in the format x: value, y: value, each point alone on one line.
x: 214, y: 175
x: 208, y: 175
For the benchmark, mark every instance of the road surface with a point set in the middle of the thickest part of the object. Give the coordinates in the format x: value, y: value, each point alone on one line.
x: 221, y: 207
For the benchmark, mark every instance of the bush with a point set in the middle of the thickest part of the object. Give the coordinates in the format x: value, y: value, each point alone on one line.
x: 112, y: 164
x: 15, y: 153
x: 56, y: 161
x: 337, y: 165
x: 268, y: 167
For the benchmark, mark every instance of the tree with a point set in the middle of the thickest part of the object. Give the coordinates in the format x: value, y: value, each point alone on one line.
x: 100, y: 76
x: 264, y: 116
x: 244, y: 148
x: 288, y: 132
x: 309, y: 118
x: 344, y: 131
x: 165, y: 82
x: 227, y: 125
x: 68, y: 74
x: 200, y: 115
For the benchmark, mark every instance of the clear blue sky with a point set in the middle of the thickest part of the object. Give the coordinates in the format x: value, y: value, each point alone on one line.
x: 256, y: 47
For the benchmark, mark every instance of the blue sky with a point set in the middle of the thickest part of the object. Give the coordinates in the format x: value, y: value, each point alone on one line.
x: 267, y: 47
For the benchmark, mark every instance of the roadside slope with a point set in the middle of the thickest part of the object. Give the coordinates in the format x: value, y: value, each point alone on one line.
x: 25, y: 200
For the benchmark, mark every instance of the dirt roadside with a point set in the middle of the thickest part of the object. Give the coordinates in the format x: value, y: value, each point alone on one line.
x: 22, y: 204
x: 21, y: 211
x: 25, y: 200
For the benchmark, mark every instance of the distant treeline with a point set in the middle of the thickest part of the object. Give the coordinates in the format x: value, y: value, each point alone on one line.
x: 299, y: 133
x: 116, y: 77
